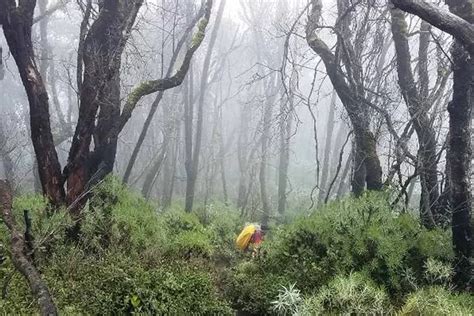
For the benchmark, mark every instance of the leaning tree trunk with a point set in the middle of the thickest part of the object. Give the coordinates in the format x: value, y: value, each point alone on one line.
x: 171, y: 123
x: 344, y: 187
x: 154, y: 171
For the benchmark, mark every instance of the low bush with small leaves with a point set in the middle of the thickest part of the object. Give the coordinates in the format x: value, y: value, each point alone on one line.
x: 365, y: 235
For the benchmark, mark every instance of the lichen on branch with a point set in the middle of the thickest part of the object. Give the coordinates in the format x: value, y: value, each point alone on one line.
x: 151, y: 86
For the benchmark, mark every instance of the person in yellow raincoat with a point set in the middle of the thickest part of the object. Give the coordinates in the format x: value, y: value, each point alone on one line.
x: 250, y: 237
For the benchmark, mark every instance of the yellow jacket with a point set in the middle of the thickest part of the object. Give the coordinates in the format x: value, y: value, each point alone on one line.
x: 245, y: 236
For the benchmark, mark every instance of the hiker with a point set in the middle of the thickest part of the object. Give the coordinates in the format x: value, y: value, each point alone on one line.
x: 251, y: 237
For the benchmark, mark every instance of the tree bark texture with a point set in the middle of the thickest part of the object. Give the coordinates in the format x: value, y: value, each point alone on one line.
x: 17, y: 25
x: 460, y: 151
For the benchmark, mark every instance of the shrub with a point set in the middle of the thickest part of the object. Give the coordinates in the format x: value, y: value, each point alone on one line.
x: 363, y: 234
x: 190, y: 244
x: 437, y: 300
x: 354, y: 294
x: 179, y: 221
x: 116, y: 284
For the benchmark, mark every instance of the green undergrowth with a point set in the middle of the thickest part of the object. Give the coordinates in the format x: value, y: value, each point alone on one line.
x: 354, y: 256
x: 130, y: 258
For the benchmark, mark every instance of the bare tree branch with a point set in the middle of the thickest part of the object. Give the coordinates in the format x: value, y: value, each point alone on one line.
x: 442, y: 19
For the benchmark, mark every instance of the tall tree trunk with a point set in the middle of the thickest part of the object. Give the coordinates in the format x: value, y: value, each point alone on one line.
x: 188, y: 136
x: 327, y: 149
x: 286, y: 118
x: 221, y: 158
x: 460, y: 151
x: 242, y: 155
x: 367, y: 169
x: 169, y: 176
x: 6, y: 159
x: 196, y: 150
x: 100, y: 92
x: 2, y: 66
x: 262, y: 176
x: 418, y: 109
x: 459, y: 156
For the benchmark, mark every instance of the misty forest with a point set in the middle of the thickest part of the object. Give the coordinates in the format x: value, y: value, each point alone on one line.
x: 236, y: 157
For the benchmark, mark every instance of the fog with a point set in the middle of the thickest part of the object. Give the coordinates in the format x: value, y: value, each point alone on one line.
x: 262, y: 94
